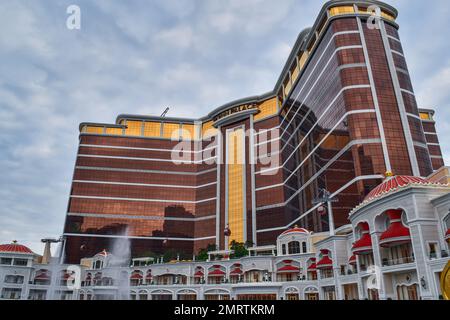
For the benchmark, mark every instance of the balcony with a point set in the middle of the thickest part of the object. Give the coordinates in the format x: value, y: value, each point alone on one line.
x: 399, y: 261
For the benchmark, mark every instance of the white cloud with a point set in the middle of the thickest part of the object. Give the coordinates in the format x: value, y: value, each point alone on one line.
x: 178, y: 37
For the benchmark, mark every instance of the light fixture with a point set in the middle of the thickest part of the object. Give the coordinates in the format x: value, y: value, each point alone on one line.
x: 423, y: 283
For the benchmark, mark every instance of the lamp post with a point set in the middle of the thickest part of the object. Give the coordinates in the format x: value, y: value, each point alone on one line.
x: 325, y: 197
x: 227, y: 234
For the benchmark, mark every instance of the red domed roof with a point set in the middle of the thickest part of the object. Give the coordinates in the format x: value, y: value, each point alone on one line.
x: 325, y: 262
x: 236, y: 271
x: 104, y: 253
x: 216, y: 273
x: 364, y: 244
x: 136, y: 276
x: 15, y: 248
x: 288, y: 269
x: 312, y: 267
x: 397, y: 233
x: 394, y: 183
x: 198, y: 274
x: 352, y: 260
x: 295, y: 230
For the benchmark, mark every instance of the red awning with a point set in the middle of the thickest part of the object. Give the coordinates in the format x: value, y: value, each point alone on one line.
x: 236, y: 271
x: 42, y: 276
x: 312, y: 267
x: 325, y: 262
x: 364, y: 244
x: 216, y: 273
x: 397, y: 233
x: 288, y: 269
x: 136, y: 276
x: 198, y: 274
x: 352, y: 260
x: 148, y: 276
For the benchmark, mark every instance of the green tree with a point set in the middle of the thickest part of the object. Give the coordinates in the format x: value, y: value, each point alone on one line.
x: 239, y: 249
x: 203, y: 253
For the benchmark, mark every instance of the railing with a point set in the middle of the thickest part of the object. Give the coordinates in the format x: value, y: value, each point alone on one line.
x: 394, y: 262
x: 348, y: 272
x: 10, y: 296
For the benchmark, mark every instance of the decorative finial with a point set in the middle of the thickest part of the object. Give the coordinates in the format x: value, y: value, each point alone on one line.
x: 388, y: 174
x: 14, y: 242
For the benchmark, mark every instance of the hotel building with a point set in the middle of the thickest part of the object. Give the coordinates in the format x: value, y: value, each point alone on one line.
x: 342, y: 113
x: 396, y: 246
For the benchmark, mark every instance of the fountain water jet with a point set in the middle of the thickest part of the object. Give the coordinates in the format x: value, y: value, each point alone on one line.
x: 119, y: 263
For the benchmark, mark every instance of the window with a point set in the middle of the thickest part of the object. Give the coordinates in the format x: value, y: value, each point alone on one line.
x: 425, y: 116
x: 335, y: 11
x: 304, y: 247
x: 134, y: 128
x: 6, y: 261
x: 14, y: 279
x: 11, y: 293
x: 294, y: 247
x: 20, y: 262
x: 283, y: 248
x: 432, y: 250
x: 98, y: 264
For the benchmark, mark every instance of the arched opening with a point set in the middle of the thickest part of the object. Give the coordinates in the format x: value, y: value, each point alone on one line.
x: 199, y: 275
x: 395, y: 241
x: 311, y: 269
x: 311, y: 293
x: 294, y: 247
x: 42, y: 277
x: 162, y: 295
x: 216, y: 274
x: 136, y: 278
x: 410, y: 292
x: 143, y: 295
x: 362, y: 247
x: 236, y: 274
x: 288, y: 270
x: 291, y: 294
x: 187, y: 295
x: 217, y: 294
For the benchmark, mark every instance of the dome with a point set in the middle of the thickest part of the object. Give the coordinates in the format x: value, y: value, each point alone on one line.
x: 393, y: 183
x: 364, y: 244
x: 325, y: 262
x: 15, y: 248
x: 396, y: 233
x: 295, y: 230
x: 104, y: 253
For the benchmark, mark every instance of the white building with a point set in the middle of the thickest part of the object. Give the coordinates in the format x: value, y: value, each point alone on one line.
x: 395, y: 248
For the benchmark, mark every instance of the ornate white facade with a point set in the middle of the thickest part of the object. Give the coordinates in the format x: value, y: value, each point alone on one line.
x: 395, y: 248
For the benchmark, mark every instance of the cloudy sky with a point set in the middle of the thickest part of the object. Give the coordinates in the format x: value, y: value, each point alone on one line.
x: 139, y: 56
